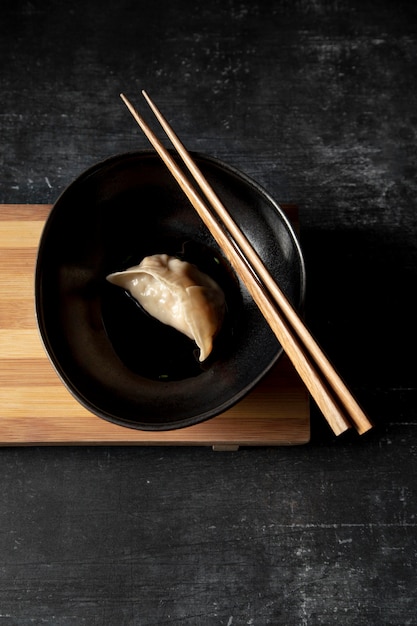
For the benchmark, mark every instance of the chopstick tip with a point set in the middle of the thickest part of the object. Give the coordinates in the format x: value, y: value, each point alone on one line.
x: 128, y: 104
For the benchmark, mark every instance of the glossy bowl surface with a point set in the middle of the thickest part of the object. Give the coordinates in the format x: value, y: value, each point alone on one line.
x: 118, y: 362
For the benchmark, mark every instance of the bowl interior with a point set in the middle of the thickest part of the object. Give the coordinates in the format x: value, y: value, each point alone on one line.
x: 119, y: 362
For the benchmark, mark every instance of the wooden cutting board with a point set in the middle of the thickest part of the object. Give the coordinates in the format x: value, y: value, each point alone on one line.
x: 37, y: 409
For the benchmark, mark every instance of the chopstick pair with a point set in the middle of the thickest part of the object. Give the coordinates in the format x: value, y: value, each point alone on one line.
x: 328, y: 390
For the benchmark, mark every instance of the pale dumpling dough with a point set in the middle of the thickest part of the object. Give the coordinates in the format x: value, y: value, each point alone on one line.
x: 176, y: 293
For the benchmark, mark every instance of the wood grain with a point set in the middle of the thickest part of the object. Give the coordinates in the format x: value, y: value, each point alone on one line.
x: 36, y: 408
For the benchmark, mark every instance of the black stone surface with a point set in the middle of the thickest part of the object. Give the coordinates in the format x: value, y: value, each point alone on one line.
x: 318, y: 102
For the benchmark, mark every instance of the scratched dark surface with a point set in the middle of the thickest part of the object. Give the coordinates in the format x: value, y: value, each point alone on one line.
x: 318, y: 102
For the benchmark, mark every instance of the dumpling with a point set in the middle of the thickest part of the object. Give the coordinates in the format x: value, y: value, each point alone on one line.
x: 178, y: 294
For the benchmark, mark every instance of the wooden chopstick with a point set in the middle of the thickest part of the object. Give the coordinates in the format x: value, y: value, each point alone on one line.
x: 324, y: 384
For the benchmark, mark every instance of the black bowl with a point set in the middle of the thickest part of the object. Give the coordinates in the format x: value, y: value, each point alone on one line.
x: 117, y: 361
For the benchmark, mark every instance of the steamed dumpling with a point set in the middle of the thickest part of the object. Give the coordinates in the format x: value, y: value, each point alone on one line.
x: 176, y: 293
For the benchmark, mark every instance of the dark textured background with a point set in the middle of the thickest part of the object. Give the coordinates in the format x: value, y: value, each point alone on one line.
x: 318, y: 102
